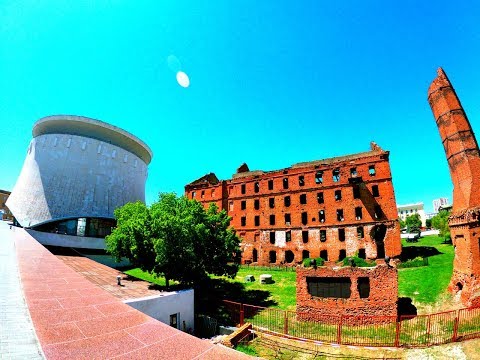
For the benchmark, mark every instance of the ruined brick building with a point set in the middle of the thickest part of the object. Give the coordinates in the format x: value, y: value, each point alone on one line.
x: 463, y: 158
x: 330, y: 208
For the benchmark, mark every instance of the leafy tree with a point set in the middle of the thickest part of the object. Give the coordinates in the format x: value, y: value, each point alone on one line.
x: 428, y: 223
x: 176, y: 238
x: 413, y: 223
x: 440, y: 222
x: 402, y: 223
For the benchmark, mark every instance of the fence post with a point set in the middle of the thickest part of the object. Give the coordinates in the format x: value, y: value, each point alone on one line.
x: 339, y: 330
x: 455, y: 327
x: 427, y: 337
x: 241, y: 315
x: 397, y: 332
x: 285, y: 322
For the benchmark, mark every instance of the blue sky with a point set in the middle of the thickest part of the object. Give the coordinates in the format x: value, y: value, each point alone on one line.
x: 272, y: 83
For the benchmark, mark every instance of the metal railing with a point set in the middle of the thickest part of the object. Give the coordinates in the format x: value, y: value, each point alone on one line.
x: 393, y: 331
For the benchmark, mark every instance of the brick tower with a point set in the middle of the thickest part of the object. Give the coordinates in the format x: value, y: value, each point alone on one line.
x: 461, y: 150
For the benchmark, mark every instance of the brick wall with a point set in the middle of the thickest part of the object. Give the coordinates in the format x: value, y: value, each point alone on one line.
x: 257, y: 203
x: 381, y: 302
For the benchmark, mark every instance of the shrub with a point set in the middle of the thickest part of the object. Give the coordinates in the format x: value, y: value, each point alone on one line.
x: 417, y: 262
x: 308, y: 262
x: 358, y: 262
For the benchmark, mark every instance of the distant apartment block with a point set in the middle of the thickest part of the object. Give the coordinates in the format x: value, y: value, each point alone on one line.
x: 5, y: 213
x: 410, y: 209
x: 437, y: 203
x: 331, y: 208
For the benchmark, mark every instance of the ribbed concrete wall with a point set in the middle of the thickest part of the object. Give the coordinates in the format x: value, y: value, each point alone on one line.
x: 72, y: 176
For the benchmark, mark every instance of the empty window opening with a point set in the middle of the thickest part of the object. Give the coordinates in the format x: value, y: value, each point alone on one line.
x: 272, y: 237
x: 305, y: 254
x: 375, y: 191
x: 321, y: 216
x: 340, y: 214
x: 272, y: 219
x: 212, y: 194
x: 289, y: 256
x: 202, y: 194
x: 256, y: 236
x: 328, y: 287
x: 271, y: 203
x: 243, y: 205
x: 358, y: 213
x: 363, y: 286
x: 193, y: 194
x: 304, y: 218
x: 244, y: 188
x: 286, y: 201
x: 257, y: 220
x: 230, y: 206
x: 256, y: 204
x: 305, y: 236
x: 336, y: 175
x: 301, y: 180
x: 303, y: 199
x: 320, y: 197
x: 270, y: 184
x: 362, y: 254
x: 254, y: 255
x: 360, y: 233
x: 319, y: 177
x: 285, y: 183
x: 378, y: 212
x: 324, y: 254
x: 342, y: 254
x: 341, y: 234
x: 459, y: 286
x: 288, y: 219
x: 288, y: 236
x: 338, y: 195
x: 371, y: 170
x: 353, y: 172
x: 243, y: 220
x: 174, y: 321
x: 323, y: 235
x: 272, y: 257
x: 356, y: 192
x: 256, y: 187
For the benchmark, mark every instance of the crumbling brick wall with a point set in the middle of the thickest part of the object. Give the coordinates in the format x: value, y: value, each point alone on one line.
x: 380, y: 306
x: 267, y: 222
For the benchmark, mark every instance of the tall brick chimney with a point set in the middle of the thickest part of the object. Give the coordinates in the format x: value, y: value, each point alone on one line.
x: 461, y: 150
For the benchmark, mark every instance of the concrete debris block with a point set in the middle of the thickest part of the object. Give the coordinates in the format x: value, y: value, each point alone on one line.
x: 266, y: 279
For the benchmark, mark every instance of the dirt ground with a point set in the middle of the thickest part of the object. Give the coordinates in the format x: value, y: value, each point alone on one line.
x: 269, y: 347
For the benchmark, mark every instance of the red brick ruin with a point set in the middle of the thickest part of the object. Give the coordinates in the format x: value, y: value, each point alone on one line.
x: 332, y: 208
x: 360, y: 295
x: 463, y: 156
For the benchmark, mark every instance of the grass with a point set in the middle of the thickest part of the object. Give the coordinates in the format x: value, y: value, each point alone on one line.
x: 426, y: 284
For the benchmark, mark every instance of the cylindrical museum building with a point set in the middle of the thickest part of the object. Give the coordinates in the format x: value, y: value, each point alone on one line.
x: 77, y: 171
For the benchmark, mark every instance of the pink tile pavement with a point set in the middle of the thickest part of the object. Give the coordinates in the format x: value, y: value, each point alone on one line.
x: 76, y: 319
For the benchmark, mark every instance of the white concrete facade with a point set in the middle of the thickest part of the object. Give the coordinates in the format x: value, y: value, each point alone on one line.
x: 409, y: 209
x: 163, y: 307
x: 78, y: 167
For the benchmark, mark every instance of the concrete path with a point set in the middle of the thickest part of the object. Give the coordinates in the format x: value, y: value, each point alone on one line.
x: 17, y: 336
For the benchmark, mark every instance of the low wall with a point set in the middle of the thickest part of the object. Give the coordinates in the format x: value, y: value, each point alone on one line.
x: 160, y: 307
x: 381, y: 300
x: 55, y: 239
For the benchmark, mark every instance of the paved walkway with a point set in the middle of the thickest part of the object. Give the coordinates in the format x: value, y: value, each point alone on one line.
x: 75, y: 319
x: 17, y: 337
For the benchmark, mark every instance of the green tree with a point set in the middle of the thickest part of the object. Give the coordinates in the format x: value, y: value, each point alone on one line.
x: 413, y: 223
x: 402, y: 223
x: 428, y: 223
x: 440, y: 222
x: 176, y: 238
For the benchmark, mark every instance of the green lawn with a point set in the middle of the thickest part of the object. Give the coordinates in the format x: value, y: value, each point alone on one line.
x: 428, y: 281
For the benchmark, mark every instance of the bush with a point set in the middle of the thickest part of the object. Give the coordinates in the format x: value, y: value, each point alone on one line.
x: 358, y: 262
x: 417, y: 262
x: 308, y: 262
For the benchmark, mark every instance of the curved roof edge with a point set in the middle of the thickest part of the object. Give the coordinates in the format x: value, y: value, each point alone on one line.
x: 96, y: 129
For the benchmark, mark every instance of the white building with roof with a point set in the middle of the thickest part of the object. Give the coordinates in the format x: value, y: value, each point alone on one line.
x: 409, y: 209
